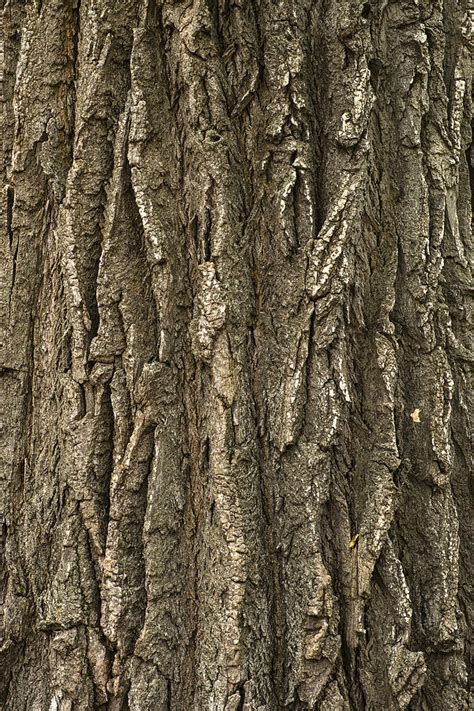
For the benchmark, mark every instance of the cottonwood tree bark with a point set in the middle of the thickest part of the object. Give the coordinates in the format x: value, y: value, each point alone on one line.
x: 235, y: 356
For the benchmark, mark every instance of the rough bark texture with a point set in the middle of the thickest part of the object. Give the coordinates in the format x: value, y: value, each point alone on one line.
x: 235, y: 247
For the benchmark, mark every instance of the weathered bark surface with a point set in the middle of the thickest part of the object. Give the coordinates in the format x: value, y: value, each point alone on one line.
x: 235, y: 247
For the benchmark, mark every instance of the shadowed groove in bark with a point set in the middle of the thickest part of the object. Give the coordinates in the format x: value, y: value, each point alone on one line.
x: 235, y: 357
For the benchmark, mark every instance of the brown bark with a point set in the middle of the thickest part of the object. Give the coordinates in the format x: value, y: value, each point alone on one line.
x: 235, y: 360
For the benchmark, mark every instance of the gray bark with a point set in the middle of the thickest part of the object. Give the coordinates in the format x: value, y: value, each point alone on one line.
x: 235, y: 359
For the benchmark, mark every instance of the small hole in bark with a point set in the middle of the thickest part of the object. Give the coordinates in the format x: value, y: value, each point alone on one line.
x: 213, y: 137
x: 313, y: 623
x: 374, y: 67
x: 365, y: 10
x: 349, y: 58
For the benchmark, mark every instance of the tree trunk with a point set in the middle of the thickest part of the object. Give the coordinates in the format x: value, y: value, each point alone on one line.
x: 235, y: 359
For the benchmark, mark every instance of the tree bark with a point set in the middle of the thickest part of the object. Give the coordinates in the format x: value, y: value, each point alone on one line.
x: 235, y: 360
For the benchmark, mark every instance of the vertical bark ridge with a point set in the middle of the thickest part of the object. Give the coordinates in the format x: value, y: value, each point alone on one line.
x: 285, y: 222
x: 231, y: 644
x: 161, y: 669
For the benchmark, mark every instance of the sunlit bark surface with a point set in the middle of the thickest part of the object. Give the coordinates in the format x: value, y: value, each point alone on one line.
x: 235, y: 251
